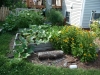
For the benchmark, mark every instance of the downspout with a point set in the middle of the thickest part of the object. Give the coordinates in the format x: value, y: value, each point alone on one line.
x: 82, y: 13
x: 48, y: 4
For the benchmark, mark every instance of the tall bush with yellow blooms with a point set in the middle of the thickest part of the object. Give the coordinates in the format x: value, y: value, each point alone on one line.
x: 77, y: 42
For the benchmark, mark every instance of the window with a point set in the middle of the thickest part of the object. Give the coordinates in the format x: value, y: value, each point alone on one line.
x: 96, y: 16
x: 53, y: 2
x: 67, y: 16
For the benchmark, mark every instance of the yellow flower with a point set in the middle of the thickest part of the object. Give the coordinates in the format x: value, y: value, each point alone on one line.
x: 62, y: 32
x: 96, y: 55
x: 94, y: 35
x: 89, y: 55
x: 84, y: 54
x: 72, y: 39
x: 90, y: 44
x: 73, y: 43
x: 81, y: 45
x: 65, y: 40
x: 56, y: 38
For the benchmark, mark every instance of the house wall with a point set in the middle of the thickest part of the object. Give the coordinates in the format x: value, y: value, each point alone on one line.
x: 90, y: 5
x: 75, y: 13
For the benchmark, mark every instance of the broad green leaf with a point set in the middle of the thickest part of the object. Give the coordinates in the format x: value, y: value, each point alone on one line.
x: 25, y: 55
x: 17, y: 55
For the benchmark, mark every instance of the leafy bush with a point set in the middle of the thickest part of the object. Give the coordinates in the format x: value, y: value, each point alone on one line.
x: 12, y: 4
x: 95, y: 27
x: 77, y: 42
x: 9, y: 23
x: 55, y: 17
x: 23, y: 20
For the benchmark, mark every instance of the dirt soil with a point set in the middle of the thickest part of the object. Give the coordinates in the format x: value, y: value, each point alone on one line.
x: 65, y: 61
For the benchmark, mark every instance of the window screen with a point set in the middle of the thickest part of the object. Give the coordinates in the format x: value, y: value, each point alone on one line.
x: 67, y: 16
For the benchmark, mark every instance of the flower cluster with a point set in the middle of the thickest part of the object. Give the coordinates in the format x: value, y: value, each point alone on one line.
x: 77, y: 42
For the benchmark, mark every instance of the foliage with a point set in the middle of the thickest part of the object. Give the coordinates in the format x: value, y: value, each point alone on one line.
x: 95, y: 27
x: 77, y: 42
x: 22, y: 67
x: 55, y: 17
x: 12, y: 4
x: 22, y: 51
x: 5, y: 39
x: 34, y: 35
x: 10, y: 23
x: 1, y: 23
x: 16, y: 67
x: 22, y: 20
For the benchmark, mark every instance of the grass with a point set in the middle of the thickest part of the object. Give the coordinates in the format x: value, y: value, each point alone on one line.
x: 15, y: 67
x: 25, y: 68
x: 5, y: 39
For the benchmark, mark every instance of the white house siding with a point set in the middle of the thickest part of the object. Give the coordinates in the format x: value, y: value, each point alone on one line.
x: 75, y: 13
x: 88, y: 7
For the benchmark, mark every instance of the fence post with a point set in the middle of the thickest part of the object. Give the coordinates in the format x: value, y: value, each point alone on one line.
x: 4, y: 11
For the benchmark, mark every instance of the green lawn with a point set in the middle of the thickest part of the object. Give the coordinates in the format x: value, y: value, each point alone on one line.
x: 5, y: 39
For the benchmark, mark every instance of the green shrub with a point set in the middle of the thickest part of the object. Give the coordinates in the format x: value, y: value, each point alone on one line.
x: 76, y: 42
x: 23, y: 20
x: 55, y: 17
x: 12, y: 4
x: 95, y: 27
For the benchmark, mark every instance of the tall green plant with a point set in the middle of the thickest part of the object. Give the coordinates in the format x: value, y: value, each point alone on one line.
x: 55, y: 17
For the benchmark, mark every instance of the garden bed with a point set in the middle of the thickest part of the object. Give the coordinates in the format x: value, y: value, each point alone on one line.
x: 61, y: 61
x: 36, y: 37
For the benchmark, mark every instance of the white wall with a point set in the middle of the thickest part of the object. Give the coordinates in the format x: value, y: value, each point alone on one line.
x: 89, y: 6
x: 75, y: 13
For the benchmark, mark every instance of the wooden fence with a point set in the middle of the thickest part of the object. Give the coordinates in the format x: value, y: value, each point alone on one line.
x: 4, y: 11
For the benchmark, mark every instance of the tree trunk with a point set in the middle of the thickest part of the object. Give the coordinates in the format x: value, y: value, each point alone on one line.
x: 50, y: 54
